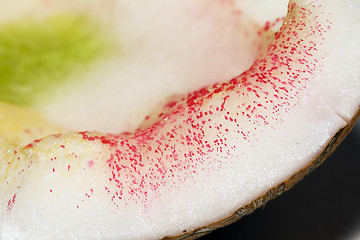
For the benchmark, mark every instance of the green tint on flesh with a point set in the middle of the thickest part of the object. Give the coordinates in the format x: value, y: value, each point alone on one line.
x: 39, y: 56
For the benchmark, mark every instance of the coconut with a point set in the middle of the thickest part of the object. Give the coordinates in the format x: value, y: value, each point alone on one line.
x: 267, y: 102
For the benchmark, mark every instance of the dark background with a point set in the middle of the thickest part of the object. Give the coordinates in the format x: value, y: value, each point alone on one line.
x: 324, y: 206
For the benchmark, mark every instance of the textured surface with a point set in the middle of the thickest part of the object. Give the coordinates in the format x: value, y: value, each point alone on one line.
x: 280, y: 189
x: 238, y: 143
x: 312, y: 209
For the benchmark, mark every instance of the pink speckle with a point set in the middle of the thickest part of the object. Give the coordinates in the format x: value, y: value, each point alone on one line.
x: 11, y: 203
x: 170, y: 104
x: 90, y: 163
x: 30, y: 145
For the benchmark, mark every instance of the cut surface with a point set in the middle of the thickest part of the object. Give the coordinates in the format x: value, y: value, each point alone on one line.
x: 203, y: 155
x: 160, y: 56
x: 38, y: 55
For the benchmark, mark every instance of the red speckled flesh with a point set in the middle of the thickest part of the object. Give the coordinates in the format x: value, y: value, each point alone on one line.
x: 191, y: 157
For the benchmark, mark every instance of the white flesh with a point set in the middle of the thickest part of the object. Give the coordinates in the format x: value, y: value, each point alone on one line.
x: 61, y: 189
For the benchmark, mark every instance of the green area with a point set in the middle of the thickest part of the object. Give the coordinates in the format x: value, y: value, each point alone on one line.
x: 37, y: 56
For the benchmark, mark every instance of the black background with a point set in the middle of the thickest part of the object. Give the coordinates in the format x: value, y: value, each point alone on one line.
x: 325, y: 205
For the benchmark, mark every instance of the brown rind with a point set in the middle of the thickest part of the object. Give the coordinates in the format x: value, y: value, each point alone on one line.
x: 274, y: 192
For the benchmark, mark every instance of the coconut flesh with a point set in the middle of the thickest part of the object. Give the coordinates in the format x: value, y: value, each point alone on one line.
x: 277, y: 94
